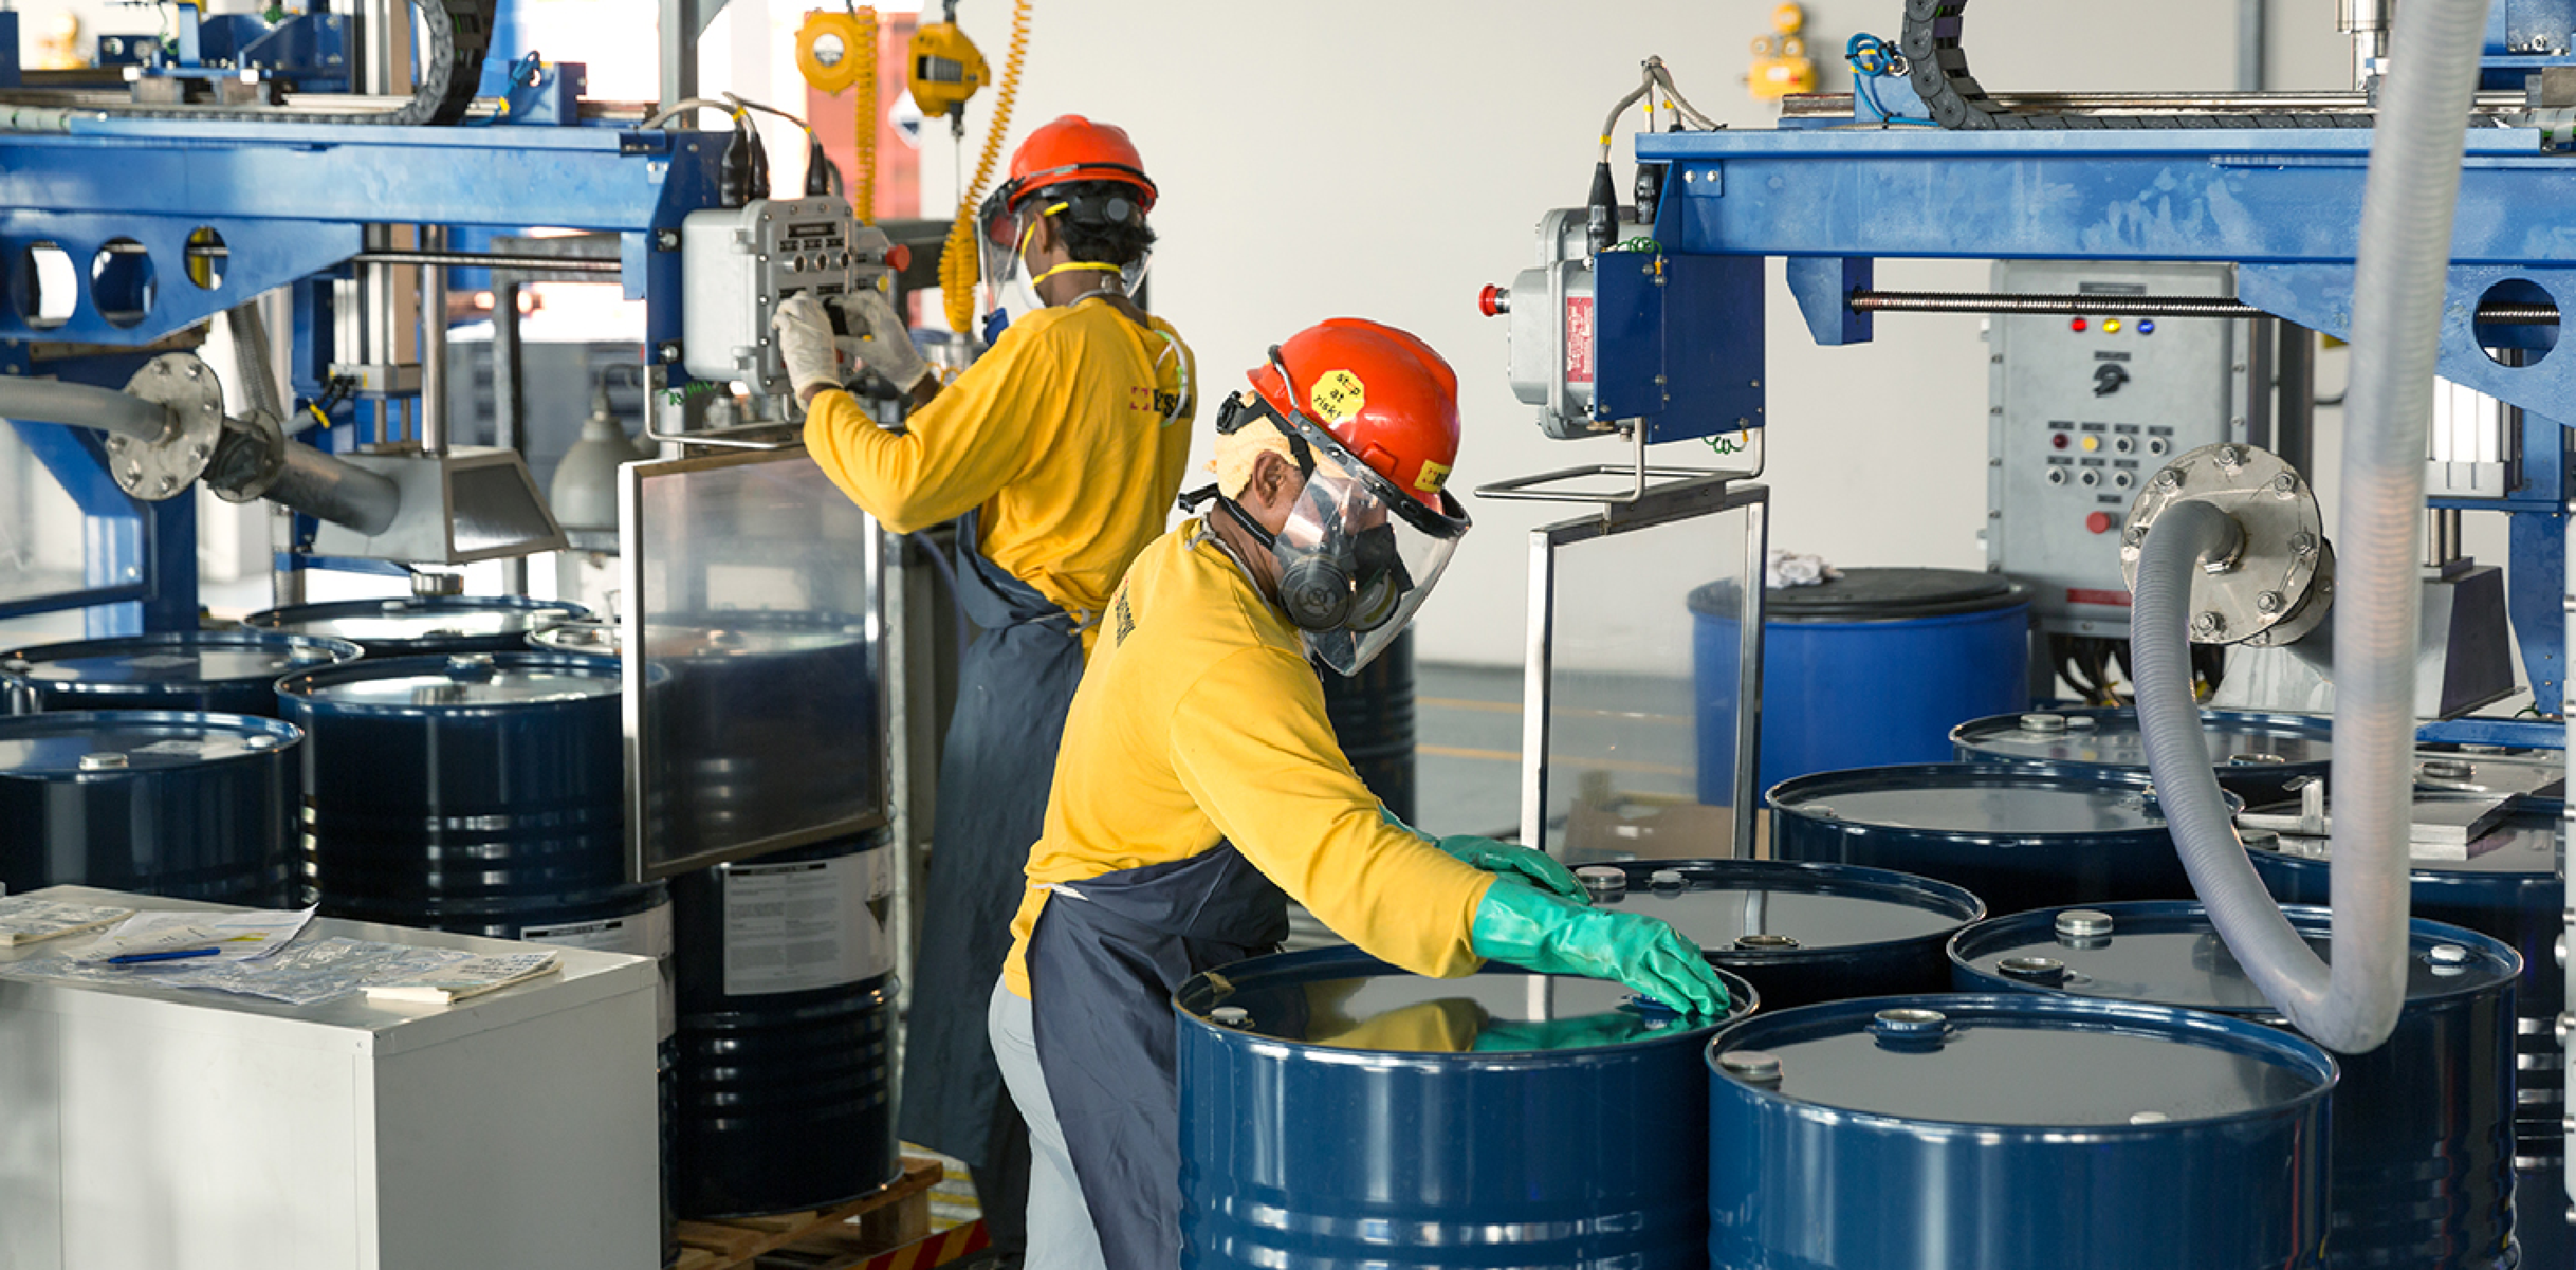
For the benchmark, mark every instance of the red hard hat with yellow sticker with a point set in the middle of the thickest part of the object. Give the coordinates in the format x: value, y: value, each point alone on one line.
x: 1382, y: 393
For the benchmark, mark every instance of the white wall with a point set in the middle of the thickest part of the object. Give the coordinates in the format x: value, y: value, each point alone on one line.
x: 1387, y: 159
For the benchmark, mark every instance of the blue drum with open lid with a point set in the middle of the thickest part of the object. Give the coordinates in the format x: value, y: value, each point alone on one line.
x: 1339, y: 1112
x: 1869, y: 668
x: 1799, y: 933
x: 2505, y: 886
x: 202, y: 672
x: 2017, y: 836
x: 424, y: 625
x: 2259, y: 757
x: 2015, y: 1133
x: 191, y: 806
x: 2423, y: 1125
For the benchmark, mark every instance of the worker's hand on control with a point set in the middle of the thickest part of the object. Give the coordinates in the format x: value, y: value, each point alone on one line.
x: 879, y: 340
x: 1541, y: 931
x: 805, y: 343
x: 1535, y: 867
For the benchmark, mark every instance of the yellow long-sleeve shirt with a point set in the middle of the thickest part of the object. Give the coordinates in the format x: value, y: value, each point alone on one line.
x: 1198, y: 718
x: 1071, y: 434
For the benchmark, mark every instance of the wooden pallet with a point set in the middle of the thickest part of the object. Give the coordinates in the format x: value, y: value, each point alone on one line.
x: 882, y: 1221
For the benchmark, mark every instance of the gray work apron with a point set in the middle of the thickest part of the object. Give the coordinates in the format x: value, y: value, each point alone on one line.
x: 994, y: 771
x: 1103, y: 962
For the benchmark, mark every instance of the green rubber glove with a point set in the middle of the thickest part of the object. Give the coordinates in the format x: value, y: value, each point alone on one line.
x: 1531, y: 928
x: 1535, y: 867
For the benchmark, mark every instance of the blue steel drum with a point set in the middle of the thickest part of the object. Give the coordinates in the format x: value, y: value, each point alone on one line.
x: 191, y: 806
x: 2259, y: 757
x: 2015, y: 1133
x: 1337, y: 1111
x: 768, y: 721
x: 200, y: 672
x: 2423, y: 1126
x: 1866, y: 669
x: 478, y: 793
x: 425, y: 625
x: 785, y: 1092
x: 2507, y: 889
x: 1799, y: 933
x: 2018, y: 837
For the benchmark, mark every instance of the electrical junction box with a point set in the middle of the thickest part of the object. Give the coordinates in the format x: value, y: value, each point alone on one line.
x: 739, y: 263
x: 2083, y: 410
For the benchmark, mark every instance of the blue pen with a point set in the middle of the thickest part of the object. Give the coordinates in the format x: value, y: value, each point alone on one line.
x: 175, y: 954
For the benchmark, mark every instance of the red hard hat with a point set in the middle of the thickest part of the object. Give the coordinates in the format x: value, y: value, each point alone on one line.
x: 1382, y: 393
x: 1074, y: 149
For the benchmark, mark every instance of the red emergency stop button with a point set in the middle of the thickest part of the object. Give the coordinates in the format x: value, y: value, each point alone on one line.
x: 2098, y: 522
x: 1493, y: 301
x: 898, y: 257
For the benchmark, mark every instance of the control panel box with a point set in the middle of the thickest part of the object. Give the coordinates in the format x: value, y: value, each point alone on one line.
x: 739, y: 263
x: 2083, y: 410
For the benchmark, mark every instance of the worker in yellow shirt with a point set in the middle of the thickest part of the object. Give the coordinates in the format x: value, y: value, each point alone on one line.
x: 1059, y: 452
x: 1199, y: 779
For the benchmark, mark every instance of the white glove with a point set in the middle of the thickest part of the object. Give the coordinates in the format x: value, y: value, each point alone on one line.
x: 805, y: 343
x: 883, y: 343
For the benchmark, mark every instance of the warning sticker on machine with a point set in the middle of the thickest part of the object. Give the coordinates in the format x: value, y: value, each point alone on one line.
x: 2087, y: 595
x: 1578, y: 339
x: 645, y: 934
x: 802, y: 926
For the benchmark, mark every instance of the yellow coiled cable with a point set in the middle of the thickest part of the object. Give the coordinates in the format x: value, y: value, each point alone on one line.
x: 958, y: 261
x: 863, y: 122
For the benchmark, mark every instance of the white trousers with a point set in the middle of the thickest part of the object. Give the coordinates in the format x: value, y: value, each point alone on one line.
x: 1060, y: 1233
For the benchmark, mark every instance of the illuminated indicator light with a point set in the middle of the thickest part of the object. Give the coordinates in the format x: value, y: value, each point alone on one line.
x: 2058, y: 440
x: 2146, y: 326
x: 2076, y: 326
x: 2111, y: 326
x: 2092, y: 443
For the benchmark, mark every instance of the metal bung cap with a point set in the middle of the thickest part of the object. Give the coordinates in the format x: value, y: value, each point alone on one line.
x: 1601, y: 879
x: 1753, y: 1067
x: 2149, y: 1117
x: 1909, y: 1024
x: 2449, y: 769
x: 1231, y: 1016
x: 2047, y: 723
x: 1764, y: 943
x: 1666, y: 877
x: 2084, y: 923
x: 2034, y: 969
x: 104, y: 761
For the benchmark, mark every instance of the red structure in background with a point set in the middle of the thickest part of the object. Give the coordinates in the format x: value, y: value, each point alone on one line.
x: 898, y: 163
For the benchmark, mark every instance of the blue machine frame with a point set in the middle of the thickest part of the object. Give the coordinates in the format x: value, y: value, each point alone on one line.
x: 2284, y: 205
x: 290, y: 202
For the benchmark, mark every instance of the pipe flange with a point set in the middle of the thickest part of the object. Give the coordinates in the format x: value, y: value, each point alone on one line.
x: 163, y: 467
x: 2269, y: 580
x: 249, y: 459
x: 2311, y: 613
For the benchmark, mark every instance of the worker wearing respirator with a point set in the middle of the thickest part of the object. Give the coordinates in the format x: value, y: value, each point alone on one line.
x: 1200, y: 780
x: 1059, y: 453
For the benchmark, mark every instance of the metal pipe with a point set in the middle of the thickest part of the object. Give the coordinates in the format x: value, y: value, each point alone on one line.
x: 317, y: 484
x: 487, y: 260
x: 2500, y: 314
x: 506, y: 402
x: 433, y: 343
x: 2294, y: 414
x: 253, y: 359
x: 2251, y: 18
x: 83, y: 405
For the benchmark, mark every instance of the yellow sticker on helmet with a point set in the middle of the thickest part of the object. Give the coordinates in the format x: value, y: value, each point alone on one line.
x: 1337, y: 395
x: 1433, y: 476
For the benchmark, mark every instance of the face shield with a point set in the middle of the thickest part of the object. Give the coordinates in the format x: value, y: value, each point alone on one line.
x: 1008, y: 232
x: 1358, y: 556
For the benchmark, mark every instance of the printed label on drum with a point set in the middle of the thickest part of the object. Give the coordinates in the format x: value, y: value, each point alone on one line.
x: 799, y: 927
x: 646, y: 934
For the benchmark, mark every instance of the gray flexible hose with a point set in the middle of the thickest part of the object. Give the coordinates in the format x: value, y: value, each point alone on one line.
x: 2399, y: 285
